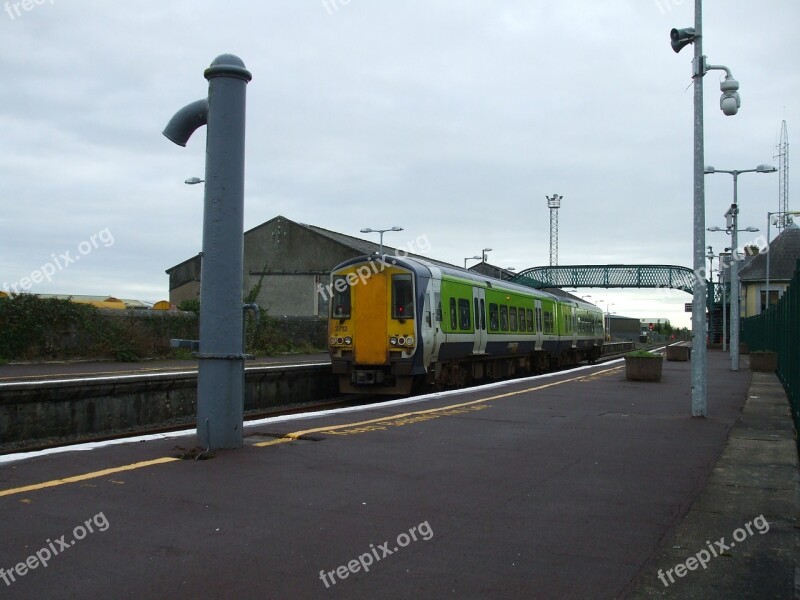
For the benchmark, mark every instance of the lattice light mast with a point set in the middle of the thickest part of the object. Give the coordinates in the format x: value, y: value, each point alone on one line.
x: 554, y: 204
x: 783, y: 178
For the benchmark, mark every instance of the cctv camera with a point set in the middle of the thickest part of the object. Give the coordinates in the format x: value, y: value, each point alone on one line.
x: 730, y: 100
x: 729, y: 105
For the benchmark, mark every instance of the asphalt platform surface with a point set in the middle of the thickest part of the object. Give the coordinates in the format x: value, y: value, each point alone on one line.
x: 562, y: 486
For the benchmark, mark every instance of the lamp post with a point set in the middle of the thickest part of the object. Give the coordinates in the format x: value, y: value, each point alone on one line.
x: 381, y: 232
x: 769, y: 214
x: 483, y: 254
x: 729, y: 104
x: 724, y: 292
x: 724, y: 306
x: 608, y: 318
x: 733, y: 222
x: 470, y: 258
x: 710, y: 257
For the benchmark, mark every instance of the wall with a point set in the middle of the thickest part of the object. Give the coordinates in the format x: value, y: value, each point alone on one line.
x: 38, y: 412
x: 294, y: 260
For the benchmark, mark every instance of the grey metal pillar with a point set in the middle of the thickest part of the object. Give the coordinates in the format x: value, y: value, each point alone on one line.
x: 724, y: 315
x: 699, y: 377
x: 220, y: 383
x: 735, y: 300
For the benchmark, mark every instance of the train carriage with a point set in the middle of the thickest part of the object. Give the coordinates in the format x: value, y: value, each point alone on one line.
x: 396, y: 323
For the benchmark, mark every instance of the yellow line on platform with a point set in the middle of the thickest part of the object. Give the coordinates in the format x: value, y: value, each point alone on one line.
x: 85, y: 476
x: 407, y: 418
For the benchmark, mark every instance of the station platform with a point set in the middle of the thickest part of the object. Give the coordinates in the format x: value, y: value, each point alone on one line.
x: 17, y: 372
x: 567, y: 485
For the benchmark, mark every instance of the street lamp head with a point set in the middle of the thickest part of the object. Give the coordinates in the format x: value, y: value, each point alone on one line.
x: 715, y: 228
x: 366, y: 230
x: 751, y: 229
x: 486, y: 250
x: 708, y: 169
x: 766, y: 169
x: 681, y: 37
x: 396, y: 228
x: 193, y: 181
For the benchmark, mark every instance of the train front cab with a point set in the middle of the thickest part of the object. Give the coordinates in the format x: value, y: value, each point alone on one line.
x: 372, y: 330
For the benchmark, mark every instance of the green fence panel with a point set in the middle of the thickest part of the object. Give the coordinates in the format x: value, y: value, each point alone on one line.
x: 778, y: 329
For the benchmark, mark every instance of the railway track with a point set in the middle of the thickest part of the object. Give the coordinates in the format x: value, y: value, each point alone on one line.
x: 190, y: 423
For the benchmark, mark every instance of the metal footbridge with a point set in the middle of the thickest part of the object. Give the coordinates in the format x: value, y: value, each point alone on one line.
x: 608, y: 276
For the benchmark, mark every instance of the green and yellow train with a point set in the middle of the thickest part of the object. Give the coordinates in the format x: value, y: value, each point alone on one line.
x: 397, y: 324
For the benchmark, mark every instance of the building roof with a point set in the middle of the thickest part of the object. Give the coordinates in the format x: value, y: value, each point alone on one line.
x: 104, y: 301
x: 784, y: 252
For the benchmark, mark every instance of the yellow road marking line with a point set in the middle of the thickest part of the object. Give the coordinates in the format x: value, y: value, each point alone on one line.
x: 333, y: 428
x: 85, y: 476
x: 289, y: 437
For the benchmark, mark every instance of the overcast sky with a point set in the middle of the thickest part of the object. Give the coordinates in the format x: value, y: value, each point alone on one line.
x: 450, y: 119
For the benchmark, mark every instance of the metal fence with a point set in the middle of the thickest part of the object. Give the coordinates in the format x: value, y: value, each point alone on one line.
x: 778, y: 329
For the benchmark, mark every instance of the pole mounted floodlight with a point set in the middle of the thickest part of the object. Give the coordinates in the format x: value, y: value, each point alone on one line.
x: 483, y: 253
x: 220, y: 378
x: 554, y: 203
x: 381, y: 232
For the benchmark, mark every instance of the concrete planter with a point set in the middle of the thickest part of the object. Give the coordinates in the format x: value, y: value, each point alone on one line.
x: 643, y: 368
x: 764, y: 361
x: 679, y: 353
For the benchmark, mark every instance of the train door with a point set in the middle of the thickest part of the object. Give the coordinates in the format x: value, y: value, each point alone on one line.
x: 537, y: 319
x: 369, y: 306
x: 574, y: 318
x: 479, y: 320
x: 431, y: 337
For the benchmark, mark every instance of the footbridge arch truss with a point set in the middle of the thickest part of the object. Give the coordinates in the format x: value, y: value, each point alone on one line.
x: 609, y: 276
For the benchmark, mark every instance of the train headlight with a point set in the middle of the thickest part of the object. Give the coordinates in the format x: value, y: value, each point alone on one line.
x: 348, y: 340
x: 332, y: 341
x: 393, y: 341
x: 409, y: 341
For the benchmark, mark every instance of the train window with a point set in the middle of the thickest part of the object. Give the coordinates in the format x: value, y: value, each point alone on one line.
x: 463, y: 314
x: 437, y: 299
x: 453, y: 316
x: 512, y: 318
x: 340, y: 307
x: 493, y: 321
x: 477, y: 318
x: 548, y: 322
x: 402, y: 297
x: 529, y: 315
x: 538, y: 318
x: 503, y: 318
x: 483, y: 316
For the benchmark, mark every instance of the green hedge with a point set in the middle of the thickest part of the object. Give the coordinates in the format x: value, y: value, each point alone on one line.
x: 33, y: 328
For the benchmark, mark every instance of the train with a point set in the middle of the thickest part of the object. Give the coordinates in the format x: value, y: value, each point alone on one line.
x: 400, y: 324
